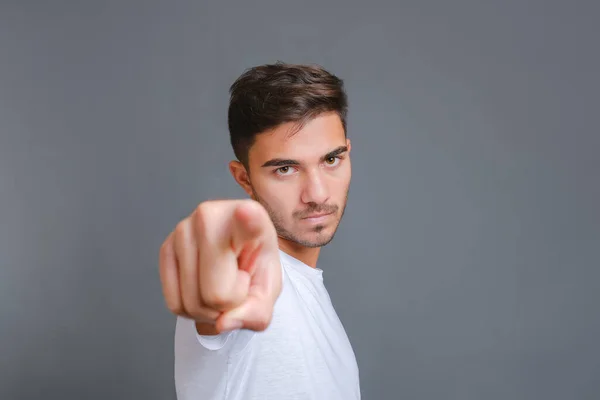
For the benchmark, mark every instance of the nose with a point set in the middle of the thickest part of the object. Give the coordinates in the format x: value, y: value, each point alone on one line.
x: 315, y: 189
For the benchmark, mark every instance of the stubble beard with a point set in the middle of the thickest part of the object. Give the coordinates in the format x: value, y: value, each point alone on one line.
x: 286, y: 234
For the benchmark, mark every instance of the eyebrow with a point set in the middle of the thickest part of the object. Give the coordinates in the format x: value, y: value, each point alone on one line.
x: 280, y: 162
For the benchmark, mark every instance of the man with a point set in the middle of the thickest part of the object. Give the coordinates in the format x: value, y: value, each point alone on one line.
x: 254, y: 318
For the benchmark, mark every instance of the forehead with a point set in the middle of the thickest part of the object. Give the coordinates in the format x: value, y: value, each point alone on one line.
x: 316, y: 138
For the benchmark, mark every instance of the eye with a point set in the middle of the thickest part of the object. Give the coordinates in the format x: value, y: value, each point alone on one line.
x: 282, y: 171
x: 331, y: 161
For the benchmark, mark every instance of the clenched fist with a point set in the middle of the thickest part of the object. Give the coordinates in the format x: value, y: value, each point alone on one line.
x: 220, y: 266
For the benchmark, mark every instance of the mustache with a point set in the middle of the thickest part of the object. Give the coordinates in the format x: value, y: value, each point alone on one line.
x: 320, y: 209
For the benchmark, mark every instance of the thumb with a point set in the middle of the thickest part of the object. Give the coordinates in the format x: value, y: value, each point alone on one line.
x: 254, y: 314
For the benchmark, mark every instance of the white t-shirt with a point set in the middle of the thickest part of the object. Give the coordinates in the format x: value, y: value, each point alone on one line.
x: 303, y: 354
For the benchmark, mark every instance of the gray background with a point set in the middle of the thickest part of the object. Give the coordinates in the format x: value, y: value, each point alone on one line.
x: 466, y: 266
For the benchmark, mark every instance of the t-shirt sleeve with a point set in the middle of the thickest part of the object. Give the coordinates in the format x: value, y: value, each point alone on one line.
x: 213, y: 342
x: 235, y: 340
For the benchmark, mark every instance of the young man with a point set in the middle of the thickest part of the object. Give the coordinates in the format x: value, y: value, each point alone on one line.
x: 254, y: 318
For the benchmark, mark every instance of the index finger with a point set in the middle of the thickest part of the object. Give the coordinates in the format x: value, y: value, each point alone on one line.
x: 223, y: 230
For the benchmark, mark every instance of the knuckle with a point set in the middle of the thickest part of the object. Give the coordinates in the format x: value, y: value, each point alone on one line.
x: 264, y: 320
x: 182, y: 231
x: 200, y: 217
x: 194, y: 310
x: 165, y: 252
x: 215, y: 298
x: 191, y: 307
x: 203, y: 209
x: 173, y: 305
x: 175, y: 308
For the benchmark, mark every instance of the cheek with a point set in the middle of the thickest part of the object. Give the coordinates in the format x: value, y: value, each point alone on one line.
x: 280, y: 198
x: 340, y: 185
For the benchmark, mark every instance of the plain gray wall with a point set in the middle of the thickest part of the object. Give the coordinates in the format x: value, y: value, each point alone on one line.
x: 467, y: 266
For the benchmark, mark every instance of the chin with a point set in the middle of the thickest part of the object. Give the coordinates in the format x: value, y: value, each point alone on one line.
x: 315, y: 236
x: 315, y: 239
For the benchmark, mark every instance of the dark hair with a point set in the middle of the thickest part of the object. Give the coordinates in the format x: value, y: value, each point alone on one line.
x: 268, y: 95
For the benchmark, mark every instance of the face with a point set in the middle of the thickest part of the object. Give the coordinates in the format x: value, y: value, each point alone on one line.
x: 302, y: 179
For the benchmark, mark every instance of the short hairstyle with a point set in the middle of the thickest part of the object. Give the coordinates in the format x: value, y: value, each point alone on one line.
x: 268, y: 95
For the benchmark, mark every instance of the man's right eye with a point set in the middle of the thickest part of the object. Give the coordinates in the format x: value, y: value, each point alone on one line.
x: 286, y: 170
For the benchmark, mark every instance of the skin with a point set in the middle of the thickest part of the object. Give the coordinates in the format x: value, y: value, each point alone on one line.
x: 295, y: 176
x: 219, y: 266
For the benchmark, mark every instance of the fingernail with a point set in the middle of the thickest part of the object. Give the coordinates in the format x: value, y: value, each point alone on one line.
x: 232, y: 324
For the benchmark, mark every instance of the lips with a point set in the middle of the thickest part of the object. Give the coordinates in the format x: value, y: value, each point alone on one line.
x: 318, y: 215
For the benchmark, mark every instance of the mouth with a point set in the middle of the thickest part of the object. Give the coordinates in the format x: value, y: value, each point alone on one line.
x: 317, y: 217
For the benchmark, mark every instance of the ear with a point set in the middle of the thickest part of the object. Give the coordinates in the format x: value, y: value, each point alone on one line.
x: 239, y: 173
x: 348, y: 145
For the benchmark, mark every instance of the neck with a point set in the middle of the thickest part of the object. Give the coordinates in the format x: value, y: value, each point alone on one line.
x: 308, y: 255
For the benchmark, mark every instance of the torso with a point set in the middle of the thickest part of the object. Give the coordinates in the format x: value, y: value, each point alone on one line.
x: 304, y: 353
